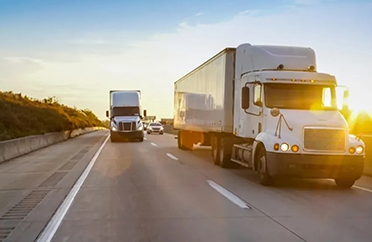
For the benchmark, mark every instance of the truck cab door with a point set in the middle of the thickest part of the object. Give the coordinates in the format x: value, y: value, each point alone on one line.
x: 250, y: 123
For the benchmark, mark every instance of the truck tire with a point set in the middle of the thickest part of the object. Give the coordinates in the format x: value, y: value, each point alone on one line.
x: 225, y: 148
x: 264, y: 176
x: 215, y: 150
x: 344, y: 182
x: 183, y: 142
x: 113, y: 138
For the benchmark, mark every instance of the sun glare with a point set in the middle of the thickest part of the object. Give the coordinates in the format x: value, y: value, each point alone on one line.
x: 359, y: 104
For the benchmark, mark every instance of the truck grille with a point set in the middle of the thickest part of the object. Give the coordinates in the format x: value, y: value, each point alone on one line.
x: 127, y: 126
x: 324, y: 139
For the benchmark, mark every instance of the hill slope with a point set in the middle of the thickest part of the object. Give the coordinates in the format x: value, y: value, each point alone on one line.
x: 22, y: 116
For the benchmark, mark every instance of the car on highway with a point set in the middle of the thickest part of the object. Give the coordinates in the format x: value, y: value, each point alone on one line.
x: 155, y: 127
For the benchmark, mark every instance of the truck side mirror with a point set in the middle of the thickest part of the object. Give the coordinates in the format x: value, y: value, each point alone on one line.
x: 145, y: 113
x: 107, y: 113
x: 245, y: 98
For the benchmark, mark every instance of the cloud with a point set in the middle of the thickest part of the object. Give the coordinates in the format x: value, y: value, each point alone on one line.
x: 154, y: 63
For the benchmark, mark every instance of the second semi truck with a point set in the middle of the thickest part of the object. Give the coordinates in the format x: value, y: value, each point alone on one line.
x: 125, y: 115
x: 267, y: 108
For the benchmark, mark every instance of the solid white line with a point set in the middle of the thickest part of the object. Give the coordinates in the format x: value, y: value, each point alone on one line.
x: 50, y: 230
x: 228, y: 194
x: 153, y: 144
x: 172, y: 156
x: 362, y: 188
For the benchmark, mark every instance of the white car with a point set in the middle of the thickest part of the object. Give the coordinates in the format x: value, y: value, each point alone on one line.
x: 155, y: 127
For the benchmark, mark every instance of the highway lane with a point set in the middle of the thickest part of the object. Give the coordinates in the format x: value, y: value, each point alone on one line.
x: 33, y: 186
x: 152, y: 191
x: 136, y: 192
x: 316, y: 210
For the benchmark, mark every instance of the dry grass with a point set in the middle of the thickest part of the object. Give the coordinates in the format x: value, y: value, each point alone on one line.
x: 22, y: 116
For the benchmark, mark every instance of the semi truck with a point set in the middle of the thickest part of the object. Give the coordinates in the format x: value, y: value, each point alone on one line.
x: 125, y: 115
x: 269, y: 109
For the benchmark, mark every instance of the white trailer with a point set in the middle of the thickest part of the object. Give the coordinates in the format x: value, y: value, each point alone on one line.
x: 125, y: 115
x: 267, y: 108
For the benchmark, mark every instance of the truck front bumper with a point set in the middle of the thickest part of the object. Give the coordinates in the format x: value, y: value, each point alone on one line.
x: 127, y: 135
x: 315, y: 166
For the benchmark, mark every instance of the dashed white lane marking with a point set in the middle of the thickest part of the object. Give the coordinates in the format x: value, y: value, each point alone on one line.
x: 145, y: 138
x: 51, y: 229
x: 232, y: 197
x: 153, y: 144
x: 362, y: 188
x: 172, y: 156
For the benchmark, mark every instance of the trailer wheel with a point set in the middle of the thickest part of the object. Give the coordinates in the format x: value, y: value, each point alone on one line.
x: 215, y: 150
x: 344, y: 182
x: 179, y: 141
x: 183, y: 142
x: 264, y: 176
x: 225, y: 153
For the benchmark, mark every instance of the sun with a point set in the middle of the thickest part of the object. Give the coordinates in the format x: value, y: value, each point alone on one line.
x: 360, y: 103
x: 359, y: 100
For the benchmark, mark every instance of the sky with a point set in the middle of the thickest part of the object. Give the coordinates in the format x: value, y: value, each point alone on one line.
x: 79, y: 50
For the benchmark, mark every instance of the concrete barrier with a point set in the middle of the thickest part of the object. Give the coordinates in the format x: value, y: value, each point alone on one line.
x: 35, y: 142
x: 10, y: 149
x: 24, y: 145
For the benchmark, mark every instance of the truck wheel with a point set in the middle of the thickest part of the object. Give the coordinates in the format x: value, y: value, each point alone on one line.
x: 179, y: 141
x: 183, y: 142
x: 140, y: 139
x: 113, y: 138
x: 264, y: 176
x: 225, y: 153
x: 344, y: 182
x: 215, y: 151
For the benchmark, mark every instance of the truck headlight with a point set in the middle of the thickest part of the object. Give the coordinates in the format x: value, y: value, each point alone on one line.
x: 284, y: 147
x: 113, y: 128
x: 359, y: 149
x: 140, y: 127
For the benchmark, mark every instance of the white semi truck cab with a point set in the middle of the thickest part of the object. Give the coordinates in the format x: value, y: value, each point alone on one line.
x: 285, y: 118
x: 125, y: 115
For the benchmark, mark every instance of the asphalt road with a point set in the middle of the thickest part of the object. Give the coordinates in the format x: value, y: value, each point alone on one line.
x: 152, y: 191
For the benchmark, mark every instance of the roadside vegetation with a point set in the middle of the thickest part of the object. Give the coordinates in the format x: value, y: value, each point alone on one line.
x: 23, y: 116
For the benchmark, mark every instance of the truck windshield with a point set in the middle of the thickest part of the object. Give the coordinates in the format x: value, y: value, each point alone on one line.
x: 300, y: 96
x: 125, y: 111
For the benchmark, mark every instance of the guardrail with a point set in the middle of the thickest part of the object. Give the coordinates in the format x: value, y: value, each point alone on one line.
x: 13, y: 148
